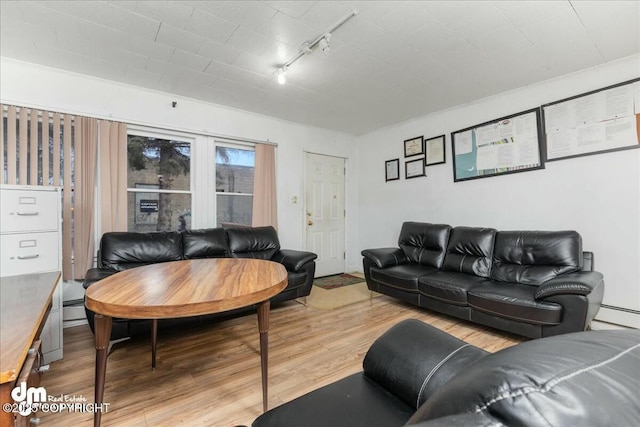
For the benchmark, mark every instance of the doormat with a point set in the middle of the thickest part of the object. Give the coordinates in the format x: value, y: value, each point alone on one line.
x: 329, y: 299
x: 337, y: 281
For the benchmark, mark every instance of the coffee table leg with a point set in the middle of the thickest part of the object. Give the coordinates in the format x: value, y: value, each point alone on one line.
x: 263, y: 327
x: 103, y: 333
x: 154, y: 342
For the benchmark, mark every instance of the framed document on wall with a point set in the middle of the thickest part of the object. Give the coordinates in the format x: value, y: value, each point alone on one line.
x: 414, y: 146
x: 600, y: 121
x: 392, y: 170
x: 434, y: 151
x: 414, y: 168
x: 507, y: 145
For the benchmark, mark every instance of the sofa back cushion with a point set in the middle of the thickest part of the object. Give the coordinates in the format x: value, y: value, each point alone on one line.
x: 424, y: 243
x: 470, y: 250
x: 207, y: 243
x: 122, y: 250
x: 533, y: 257
x: 253, y: 242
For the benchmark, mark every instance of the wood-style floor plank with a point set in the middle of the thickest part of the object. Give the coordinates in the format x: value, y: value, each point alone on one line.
x: 209, y: 375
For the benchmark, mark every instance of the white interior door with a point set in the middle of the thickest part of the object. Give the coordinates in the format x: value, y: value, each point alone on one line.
x: 325, y: 212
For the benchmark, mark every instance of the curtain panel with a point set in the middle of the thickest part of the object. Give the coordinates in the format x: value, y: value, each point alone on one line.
x: 264, y: 187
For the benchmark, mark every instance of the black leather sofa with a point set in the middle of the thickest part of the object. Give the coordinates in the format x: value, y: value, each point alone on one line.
x: 123, y: 250
x: 531, y: 283
x: 416, y: 375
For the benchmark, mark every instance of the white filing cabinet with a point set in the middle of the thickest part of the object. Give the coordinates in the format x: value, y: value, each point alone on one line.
x: 31, y: 242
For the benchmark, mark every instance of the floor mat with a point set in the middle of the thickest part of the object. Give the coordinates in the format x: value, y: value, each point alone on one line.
x: 328, y: 299
x: 337, y: 281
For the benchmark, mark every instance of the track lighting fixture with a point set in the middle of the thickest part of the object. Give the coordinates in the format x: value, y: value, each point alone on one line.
x: 281, y: 75
x: 322, y: 42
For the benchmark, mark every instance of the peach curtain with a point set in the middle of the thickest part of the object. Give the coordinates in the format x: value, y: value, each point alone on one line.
x: 264, y: 186
x: 84, y: 195
x: 113, y: 176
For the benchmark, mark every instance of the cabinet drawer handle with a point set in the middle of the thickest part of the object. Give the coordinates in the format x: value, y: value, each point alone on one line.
x: 28, y: 256
x: 27, y: 213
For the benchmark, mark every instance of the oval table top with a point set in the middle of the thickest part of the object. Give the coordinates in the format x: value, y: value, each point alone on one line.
x: 186, y: 288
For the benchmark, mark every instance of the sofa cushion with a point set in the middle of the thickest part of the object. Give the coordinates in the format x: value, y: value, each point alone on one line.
x: 533, y: 257
x: 513, y: 301
x: 579, y: 379
x: 470, y: 250
x: 424, y: 243
x: 354, y: 401
x: 401, y: 276
x: 122, y: 250
x: 207, y: 243
x: 448, y: 286
x: 255, y: 242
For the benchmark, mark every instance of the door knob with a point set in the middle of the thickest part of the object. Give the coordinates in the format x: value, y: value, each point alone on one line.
x: 309, y: 222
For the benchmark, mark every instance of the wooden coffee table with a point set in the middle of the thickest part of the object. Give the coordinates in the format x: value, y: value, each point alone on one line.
x: 183, y: 289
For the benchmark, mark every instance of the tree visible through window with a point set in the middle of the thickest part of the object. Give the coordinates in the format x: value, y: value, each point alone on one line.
x: 158, y: 181
x: 234, y: 185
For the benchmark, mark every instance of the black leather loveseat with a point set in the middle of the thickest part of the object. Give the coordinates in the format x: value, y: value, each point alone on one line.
x: 416, y: 375
x: 531, y: 283
x: 123, y: 250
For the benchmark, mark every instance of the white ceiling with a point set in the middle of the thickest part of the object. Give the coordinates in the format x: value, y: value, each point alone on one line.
x: 395, y: 60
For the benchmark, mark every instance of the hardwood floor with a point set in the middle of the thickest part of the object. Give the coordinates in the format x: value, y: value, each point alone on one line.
x: 209, y: 375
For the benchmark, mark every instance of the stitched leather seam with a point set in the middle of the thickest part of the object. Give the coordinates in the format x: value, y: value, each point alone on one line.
x: 552, y: 383
x: 413, y: 291
x: 395, y: 257
x: 433, y: 371
x: 506, y: 316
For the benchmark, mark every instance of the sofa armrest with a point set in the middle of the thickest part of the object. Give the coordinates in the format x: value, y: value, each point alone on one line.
x: 293, y: 260
x: 412, y: 360
x: 95, y: 274
x: 385, y: 257
x: 579, y: 283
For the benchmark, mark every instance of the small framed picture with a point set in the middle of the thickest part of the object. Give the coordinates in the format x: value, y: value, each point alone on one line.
x: 392, y: 170
x: 414, y: 146
x: 434, y: 151
x: 414, y: 168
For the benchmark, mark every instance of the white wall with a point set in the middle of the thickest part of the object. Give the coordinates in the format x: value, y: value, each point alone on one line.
x: 33, y: 86
x: 598, y: 195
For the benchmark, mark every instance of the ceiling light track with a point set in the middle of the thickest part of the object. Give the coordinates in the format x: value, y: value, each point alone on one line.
x: 322, y: 41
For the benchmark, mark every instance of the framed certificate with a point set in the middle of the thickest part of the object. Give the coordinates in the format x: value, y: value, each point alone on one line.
x: 414, y: 146
x: 434, y: 151
x: 392, y: 170
x: 414, y: 168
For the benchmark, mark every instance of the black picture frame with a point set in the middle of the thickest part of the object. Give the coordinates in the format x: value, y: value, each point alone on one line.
x: 392, y: 170
x: 414, y: 146
x: 434, y: 151
x: 414, y: 168
x: 571, y: 130
x: 507, y: 145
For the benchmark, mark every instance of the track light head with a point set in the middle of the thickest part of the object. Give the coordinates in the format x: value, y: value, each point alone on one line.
x: 281, y: 75
x: 324, y: 43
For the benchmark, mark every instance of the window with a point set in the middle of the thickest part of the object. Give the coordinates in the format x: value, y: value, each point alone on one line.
x: 158, y: 183
x: 234, y: 184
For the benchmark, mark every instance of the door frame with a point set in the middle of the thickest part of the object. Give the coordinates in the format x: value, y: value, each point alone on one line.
x: 304, y: 200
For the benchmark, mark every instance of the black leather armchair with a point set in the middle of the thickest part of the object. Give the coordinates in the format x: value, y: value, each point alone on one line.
x: 417, y: 375
x: 123, y: 250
